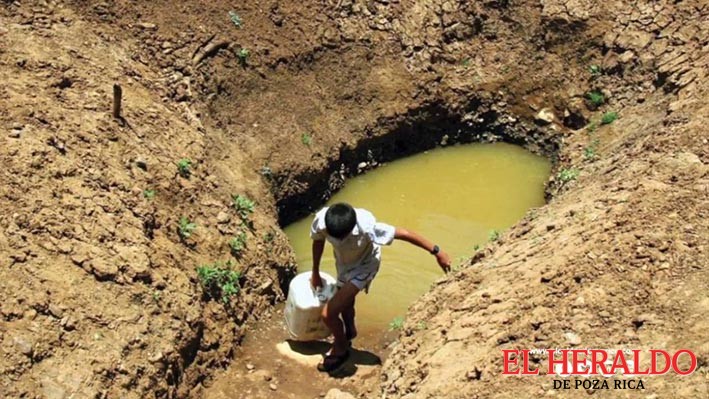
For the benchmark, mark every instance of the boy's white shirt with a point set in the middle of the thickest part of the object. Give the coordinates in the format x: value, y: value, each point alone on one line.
x: 362, y: 247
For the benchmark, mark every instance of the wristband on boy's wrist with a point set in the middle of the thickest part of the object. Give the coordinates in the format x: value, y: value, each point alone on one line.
x: 436, y: 249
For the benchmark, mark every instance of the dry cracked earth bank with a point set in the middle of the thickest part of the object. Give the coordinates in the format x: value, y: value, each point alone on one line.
x: 280, y: 101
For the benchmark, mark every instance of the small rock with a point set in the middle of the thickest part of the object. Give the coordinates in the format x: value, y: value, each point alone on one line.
x: 103, y: 270
x: 56, y: 311
x: 626, y: 57
x: 272, y: 386
x: 250, y: 366
x: 579, y: 302
x: 30, y: 314
x: 362, y: 165
x: 572, y: 338
x: 156, y: 357
x: 68, y: 323
x: 544, y: 117
x: 24, y: 346
x: 223, y: 218
x: 146, y: 25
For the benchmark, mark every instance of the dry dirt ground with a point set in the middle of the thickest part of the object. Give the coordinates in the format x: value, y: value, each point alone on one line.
x: 100, y: 296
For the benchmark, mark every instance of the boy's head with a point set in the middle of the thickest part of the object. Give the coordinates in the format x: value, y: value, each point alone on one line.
x: 340, y: 219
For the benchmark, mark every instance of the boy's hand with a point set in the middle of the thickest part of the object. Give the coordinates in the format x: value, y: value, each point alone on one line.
x: 315, y: 280
x: 444, y: 261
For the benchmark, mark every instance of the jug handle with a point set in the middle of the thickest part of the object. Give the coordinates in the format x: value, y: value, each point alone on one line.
x: 319, y: 292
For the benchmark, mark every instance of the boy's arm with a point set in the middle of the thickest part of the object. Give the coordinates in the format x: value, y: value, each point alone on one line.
x: 318, y: 247
x: 409, y: 236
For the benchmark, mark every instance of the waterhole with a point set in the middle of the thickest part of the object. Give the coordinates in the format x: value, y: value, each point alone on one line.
x: 458, y: 197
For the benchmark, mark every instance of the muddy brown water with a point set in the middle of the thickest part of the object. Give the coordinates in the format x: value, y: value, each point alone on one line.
x: 455, y: 196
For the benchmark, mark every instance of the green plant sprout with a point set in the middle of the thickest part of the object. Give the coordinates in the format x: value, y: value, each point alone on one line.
x: 596, y: 98
x: 494, y: 235
x: 243, y: 205
x: 609, y: 117
x: 243, y: 56
x: 567, y: 175
x: 237, y: 244
x: 184, y: 167
x: 235, y: 19
x: 149, y: 194
x: 590, y: 151
x: 396, y: 324
x: 306, y: 139
x: 185, y: 228
x: 219, y: 281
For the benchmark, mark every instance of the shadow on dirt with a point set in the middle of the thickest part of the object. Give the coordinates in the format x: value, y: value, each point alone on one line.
x: 357, y: 356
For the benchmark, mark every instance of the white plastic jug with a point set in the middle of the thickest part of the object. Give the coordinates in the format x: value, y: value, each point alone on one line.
x: 304, y: 306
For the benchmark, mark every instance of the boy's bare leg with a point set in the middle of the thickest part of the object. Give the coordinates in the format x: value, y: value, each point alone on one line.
x: 331, y: 315
x: 348, y: 317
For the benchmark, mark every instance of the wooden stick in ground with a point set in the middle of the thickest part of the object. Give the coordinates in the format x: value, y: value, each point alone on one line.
x: 117, y: 94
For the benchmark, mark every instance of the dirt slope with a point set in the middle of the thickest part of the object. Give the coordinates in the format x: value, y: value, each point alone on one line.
x: 618, y: 257
x: 99, y: 293
x: 95, y: 274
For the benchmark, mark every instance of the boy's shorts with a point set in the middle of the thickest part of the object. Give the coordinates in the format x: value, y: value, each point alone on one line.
x: 360, y: 276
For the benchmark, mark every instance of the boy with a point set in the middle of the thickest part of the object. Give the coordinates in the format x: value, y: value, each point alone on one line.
x: 356, y: 238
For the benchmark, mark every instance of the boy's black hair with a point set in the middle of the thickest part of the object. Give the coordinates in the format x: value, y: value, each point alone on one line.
x: 340, y: 219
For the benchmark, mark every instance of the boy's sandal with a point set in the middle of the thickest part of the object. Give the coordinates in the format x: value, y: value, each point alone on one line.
x: 333, y: 362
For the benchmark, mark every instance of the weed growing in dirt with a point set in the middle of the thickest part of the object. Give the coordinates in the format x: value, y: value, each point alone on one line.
x: 243, y: 56
x: 595, y: 70
x: 591, y: 127
x: 149, y: 194
x: 156, y: 296
x: 421, y: 325
x: 494, y: 235
x: 237, y: 244
x: 596, y: 98
x: 476, y: 247
x: 219, y: 280
x: 590, y: 151
x: 396, y: 324
x: 235, y: 19
x: 184, y: 167
x: 185, y: 228
x: 608, y: 118
x: 306, y: 139
x: 465, y: 62
x: 243, y: 205
x: 567, y: 175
